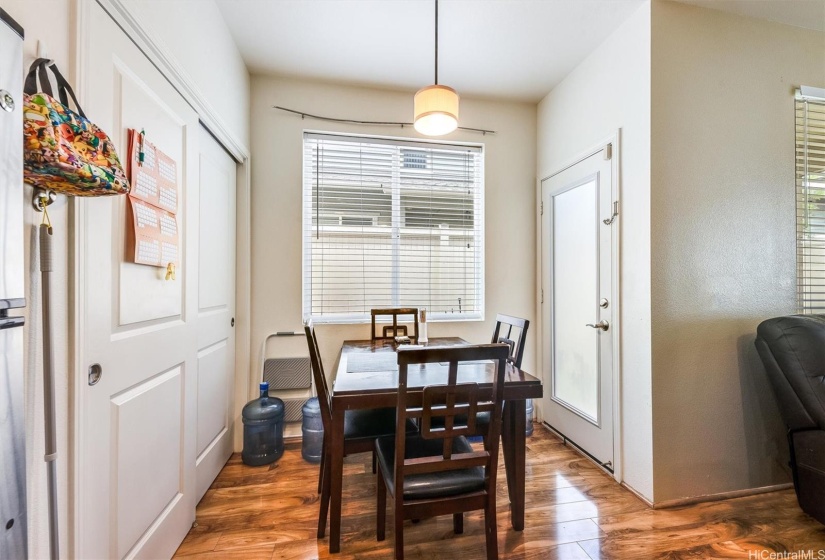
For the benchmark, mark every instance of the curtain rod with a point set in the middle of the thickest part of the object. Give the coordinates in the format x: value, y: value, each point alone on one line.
x: 380, y: 123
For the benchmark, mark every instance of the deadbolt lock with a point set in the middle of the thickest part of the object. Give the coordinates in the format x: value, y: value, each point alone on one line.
x: 604, y: 304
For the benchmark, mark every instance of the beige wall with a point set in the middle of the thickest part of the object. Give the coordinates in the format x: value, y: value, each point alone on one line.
x: 609, y: 91
x: 187, y: 33
x: 722, y: 231
x: 277, y: 198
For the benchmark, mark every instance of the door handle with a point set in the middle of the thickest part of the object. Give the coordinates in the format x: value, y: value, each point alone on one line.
x: 95, y: 373
x: 603, y: 325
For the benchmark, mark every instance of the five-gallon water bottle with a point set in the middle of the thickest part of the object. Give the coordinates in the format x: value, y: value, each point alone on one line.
x: 312, y: 445
x: 263, y: 429
x: 528, y: 430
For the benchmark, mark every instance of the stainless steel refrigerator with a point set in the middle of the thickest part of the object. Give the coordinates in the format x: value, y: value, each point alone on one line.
x: 12, y: 300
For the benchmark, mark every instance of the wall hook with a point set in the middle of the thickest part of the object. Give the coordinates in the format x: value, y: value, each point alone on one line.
x: 611, y: 219
x: 43, y: 198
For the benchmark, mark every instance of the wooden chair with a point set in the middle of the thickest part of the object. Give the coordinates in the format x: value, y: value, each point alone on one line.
x: 396, y: 329
x: 503, y: 333
x: 361, y: 427
x: 436, y: 471
x: 516, y: 343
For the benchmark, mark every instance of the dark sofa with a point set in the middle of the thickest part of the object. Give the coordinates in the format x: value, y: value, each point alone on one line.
x: 793, y: 351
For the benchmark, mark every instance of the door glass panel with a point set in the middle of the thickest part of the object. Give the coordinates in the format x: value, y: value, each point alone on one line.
x: 575, y: 299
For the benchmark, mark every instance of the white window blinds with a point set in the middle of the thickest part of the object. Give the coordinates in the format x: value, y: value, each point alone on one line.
x: 391, y: 223
x: 810, y: 204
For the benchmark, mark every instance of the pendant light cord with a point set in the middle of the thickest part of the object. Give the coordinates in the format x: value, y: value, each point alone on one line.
x: 436, y: 42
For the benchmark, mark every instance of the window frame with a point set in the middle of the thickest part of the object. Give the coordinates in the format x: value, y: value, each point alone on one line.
x: 807, y: 243
x: 401, y: 142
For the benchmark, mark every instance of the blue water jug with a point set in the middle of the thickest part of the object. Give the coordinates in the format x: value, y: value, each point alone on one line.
x: 528, y: 430
x: 263, y: 429
x: 312, y: 428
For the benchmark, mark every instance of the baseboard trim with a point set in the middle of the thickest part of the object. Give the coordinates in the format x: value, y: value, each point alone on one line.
x: 721, y: 496
x: 633, y: 491
x: 572, y: 445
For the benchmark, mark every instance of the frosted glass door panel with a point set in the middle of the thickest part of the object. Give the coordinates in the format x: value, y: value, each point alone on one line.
x: 576, y: 289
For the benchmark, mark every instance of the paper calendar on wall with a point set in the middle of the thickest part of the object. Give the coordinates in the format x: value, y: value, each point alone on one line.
x: 152, y: 235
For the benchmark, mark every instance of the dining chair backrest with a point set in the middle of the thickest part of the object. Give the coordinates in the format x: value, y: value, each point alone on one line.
x: 449, y: 401
x: 318, y: 376
x: 504, y: 333
x: 396, y: 329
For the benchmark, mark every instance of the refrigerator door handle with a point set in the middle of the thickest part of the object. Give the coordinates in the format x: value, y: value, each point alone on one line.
x: 11, y: 322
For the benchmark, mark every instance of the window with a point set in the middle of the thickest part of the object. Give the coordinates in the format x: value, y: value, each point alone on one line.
x: 392, y: 222
x: 810, y: 204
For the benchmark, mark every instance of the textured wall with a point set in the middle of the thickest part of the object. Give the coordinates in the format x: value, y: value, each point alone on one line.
x: 722, y: 232
x: 608, y: 91
x: 277, y: 204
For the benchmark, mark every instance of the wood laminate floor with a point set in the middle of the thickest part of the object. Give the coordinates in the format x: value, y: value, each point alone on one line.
x: 574, y: 511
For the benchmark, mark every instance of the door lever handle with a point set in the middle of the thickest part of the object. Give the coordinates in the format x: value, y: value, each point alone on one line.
x: 602, y: 325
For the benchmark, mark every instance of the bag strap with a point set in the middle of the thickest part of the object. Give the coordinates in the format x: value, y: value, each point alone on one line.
x: 63, y: 88
x: 38, y: 68
x: 30, y: 86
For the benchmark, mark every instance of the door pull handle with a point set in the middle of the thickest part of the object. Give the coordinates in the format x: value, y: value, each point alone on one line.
x: 602, y: 325
x: 95, y: 373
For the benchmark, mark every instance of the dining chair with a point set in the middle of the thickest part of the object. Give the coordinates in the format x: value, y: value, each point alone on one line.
x: 361, y: 427
x: 436, y: 471
x: 504, y: 333
x: 514, y: 340
x: 396, y: 329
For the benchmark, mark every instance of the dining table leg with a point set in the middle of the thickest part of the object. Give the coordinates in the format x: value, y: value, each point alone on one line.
x: 514, y: 448
x: 336, y: 459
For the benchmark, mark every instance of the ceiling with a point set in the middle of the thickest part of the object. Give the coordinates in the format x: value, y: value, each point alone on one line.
x: 505, y: 49
x: 510, y: 49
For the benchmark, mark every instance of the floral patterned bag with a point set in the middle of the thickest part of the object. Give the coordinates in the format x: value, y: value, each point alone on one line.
x: 63, y: 150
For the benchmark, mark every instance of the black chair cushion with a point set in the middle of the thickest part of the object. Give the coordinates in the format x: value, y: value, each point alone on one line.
x: 430, y: 485
x: 371, y: 423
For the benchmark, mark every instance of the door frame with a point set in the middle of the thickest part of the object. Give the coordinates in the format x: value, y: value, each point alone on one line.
x: 614, y: 140
x: 146, y: 42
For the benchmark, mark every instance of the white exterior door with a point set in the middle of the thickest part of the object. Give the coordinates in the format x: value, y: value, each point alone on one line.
x: 578, y: 304
x: 216, y: 310
x: 137, y: 429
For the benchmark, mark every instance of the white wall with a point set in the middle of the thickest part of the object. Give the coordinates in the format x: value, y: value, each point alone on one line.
x: 29, y: 14
x: 723, y: 234
x: 608, y: 91
x: 189, y: 29
x: 277, y: 198
x: 195, y: 34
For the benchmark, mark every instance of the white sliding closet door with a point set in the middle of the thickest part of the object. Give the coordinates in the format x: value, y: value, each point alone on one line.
x: 138, y: 428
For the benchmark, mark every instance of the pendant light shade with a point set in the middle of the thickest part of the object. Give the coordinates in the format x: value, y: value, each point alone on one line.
x: 436, y: 110
x: 436, y: 106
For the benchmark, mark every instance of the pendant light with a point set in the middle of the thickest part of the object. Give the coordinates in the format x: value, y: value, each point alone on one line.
x: 436, y: 106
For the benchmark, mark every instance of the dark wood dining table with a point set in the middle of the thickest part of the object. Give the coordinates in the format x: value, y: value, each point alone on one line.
x: 367, y: 377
